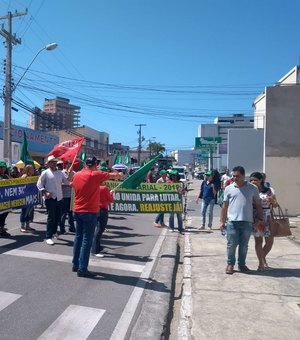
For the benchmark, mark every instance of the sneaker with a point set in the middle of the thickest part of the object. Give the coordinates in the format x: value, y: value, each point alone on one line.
x: 4, y: 233
x: 202, y: 227
x: 243, y: 268
x: 23, y: 230
x: 50, y: 242
x: 99, y: 255
x: 30, y: 229
x: 171, y: 230
x: 86, y: 274
x: 56, y: 236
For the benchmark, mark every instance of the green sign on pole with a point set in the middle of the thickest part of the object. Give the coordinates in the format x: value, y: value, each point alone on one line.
x: 206, y: 142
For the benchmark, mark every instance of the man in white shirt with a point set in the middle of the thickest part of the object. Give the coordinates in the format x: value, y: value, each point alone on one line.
x: 50, y: 185
x: 224, y: 178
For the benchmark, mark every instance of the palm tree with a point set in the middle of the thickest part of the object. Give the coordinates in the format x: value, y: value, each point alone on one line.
x: 155, y: 148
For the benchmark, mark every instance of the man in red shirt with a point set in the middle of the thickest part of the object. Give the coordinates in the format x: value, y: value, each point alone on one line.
x: 86, y: 184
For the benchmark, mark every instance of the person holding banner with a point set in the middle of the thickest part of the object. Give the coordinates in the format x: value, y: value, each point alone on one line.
x: 3, y: 175
x: 86, y: 184
x: 159, y: 220
x: 106, y: 197
x: 27, y: 213
x: 50, y: 185
x: 175, y: 178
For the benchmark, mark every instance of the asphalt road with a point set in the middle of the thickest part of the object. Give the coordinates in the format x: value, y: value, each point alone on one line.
x: 40, y: 297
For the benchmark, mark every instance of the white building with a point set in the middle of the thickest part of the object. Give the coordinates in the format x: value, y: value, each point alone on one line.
x: 220, y: 129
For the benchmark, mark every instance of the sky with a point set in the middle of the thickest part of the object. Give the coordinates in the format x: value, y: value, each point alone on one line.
x: 168, y: 65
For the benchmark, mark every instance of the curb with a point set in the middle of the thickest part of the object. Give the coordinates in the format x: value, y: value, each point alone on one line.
x: 154, y: 313
x: 186, y: 308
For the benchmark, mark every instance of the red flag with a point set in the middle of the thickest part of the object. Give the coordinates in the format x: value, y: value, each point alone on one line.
x: 68, y: 149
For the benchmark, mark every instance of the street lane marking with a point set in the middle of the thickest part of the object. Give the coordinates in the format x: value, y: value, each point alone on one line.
x: 131, y: 267
x: 7, y: 298
x: 126, y: 318
x: 76, y: 322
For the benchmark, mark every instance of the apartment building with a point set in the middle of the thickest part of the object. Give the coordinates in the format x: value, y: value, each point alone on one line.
x: 57, y: 114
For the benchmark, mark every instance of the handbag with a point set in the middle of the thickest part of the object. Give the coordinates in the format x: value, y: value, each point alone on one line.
x: 280, y: 224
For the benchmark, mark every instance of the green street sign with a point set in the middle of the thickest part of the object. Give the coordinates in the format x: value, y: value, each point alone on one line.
x: 204, y: 142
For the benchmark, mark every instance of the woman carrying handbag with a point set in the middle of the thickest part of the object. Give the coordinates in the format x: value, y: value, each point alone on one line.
x: 262, y: 229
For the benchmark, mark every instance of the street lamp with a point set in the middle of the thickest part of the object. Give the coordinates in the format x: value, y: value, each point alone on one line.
x: 7, y: 100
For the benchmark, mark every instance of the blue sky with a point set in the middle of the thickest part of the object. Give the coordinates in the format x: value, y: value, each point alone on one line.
x: 168, y: 64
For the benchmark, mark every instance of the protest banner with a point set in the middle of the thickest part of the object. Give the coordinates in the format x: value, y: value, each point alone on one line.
x: 18, y: 193
x: 146, y: 186
x: 141, y: 201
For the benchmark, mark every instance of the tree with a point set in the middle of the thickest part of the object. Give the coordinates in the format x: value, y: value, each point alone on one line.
x: 155, y: 148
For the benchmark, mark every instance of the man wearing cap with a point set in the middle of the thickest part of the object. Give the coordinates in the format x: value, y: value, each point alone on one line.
x: 159, y: 220
x: 50, y: 185
x: 86, y: 184
x: 3, y: 175
x: 207, y: 194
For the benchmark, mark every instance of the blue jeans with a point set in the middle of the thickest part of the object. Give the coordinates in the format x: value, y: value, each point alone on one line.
x: 238, y: 234
x: 85, y: 228
x: 159, y: 218
x: 179, y: 220
x: 207, y: 207
x: 101, y: 225
x: 66, y: 211
x: 26, y: 214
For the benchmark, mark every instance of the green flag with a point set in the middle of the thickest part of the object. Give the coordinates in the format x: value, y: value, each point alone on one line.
x: 118, y: 158
x: 24, y: 155
x: 127, y: 158
x: 82, y: 157
x: 139, y: 176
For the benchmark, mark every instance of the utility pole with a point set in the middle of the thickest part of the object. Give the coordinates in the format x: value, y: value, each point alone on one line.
x: 10, y: 40
x: 140, y: 142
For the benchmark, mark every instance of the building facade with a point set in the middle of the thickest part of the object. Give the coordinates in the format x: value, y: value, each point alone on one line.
x: 277, y: 111
x: 57, y: 114
x: 96, y: 143
x: 39, y: 144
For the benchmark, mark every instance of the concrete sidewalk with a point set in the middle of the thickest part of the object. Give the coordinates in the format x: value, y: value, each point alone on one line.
x: 257, y: 305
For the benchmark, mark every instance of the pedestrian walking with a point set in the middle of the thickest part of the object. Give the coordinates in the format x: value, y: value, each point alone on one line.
x: 86, y: 184
x: 237, y: 211
x: 207, y: 195
x: 262, y: 231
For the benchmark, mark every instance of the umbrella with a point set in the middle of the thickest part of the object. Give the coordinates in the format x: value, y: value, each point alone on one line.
x: 119, y: 167
x: 20, y: 164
